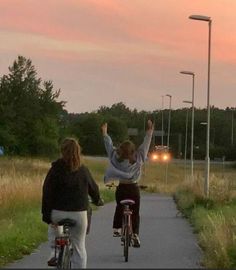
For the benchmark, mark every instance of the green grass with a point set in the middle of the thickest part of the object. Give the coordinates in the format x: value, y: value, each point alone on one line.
x: 21, y: 233
x: 215, y: 224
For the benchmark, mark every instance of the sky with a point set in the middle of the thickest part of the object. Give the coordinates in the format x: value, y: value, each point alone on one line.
x: 101, y: 52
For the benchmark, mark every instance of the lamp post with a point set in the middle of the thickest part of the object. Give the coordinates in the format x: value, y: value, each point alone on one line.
x: 162, y: 120
x: 207, y: 19
x: 192, y: 132
x: 232, y: 129
x: 168, y: 136
x: 186, y: 139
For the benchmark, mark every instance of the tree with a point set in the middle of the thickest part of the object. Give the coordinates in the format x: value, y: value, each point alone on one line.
x: 27, y: 105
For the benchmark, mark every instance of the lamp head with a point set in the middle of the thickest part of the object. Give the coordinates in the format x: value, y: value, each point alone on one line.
x: 187, y: 72
x: 200, y: 18
x: 187, y: 101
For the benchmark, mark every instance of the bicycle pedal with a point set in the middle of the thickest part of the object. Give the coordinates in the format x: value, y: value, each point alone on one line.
x: 52, y: 261
x: 116, y: 234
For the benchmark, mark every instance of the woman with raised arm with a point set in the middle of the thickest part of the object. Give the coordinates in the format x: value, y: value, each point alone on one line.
x: 65, y: 195
x: 125, y: 166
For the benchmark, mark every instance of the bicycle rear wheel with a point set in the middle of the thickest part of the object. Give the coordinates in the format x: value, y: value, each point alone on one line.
x: 60, y: 258
x: 64, y: 258
x: 126, y: 242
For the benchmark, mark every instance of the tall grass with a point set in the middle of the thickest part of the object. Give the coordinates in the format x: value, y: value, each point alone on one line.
x: 214, y: 218
x: 20, y: 194
x: 216, y: 229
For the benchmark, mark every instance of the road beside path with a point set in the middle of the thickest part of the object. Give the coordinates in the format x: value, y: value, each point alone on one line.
x: 167, y: 240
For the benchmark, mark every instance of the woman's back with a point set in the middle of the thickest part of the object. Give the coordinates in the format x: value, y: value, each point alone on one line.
x: 70, y: 187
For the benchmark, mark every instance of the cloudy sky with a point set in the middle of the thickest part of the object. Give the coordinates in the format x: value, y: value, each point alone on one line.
x: 100, y: 52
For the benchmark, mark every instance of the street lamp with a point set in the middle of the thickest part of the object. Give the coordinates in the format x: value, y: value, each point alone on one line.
x: 186, y: 138
x: 232, y: 129
x: 207, y: 19
x: 162, y: 120
x: 168, y: 136
x: 192, y: 132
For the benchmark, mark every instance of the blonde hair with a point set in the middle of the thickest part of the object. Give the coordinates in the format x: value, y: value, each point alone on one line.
x: 70, y: 150
x: 126, y: 151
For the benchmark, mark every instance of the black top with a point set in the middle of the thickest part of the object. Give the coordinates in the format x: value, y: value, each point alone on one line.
x: 67, y: 191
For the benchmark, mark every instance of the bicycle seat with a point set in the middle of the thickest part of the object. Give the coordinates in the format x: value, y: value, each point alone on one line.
x: 127, y: 202
x: 67, y: 222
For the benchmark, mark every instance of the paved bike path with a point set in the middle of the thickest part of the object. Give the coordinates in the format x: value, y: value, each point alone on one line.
x: 167, y: 240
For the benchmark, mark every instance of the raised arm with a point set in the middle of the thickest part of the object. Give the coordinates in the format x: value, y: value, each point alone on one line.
x: 107, y: 140
x: 144, y: 147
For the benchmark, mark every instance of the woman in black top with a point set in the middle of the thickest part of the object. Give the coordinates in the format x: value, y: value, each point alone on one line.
x: 65, y: 195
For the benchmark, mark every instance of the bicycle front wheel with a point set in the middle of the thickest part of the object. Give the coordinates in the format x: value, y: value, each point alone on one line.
x: 126, y: 242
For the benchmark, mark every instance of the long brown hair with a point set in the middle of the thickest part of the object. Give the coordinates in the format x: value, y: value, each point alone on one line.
x: 126, y: 151
x: 70, y: 150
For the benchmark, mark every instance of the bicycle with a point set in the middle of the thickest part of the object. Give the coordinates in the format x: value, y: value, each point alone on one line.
x: 126, y: 230
x: 63, y: 245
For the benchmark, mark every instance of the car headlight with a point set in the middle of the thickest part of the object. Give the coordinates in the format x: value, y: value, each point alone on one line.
x: 155, y: 157
x: 165, y: 157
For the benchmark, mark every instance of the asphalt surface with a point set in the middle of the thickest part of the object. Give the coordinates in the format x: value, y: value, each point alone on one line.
x: 167, y: 240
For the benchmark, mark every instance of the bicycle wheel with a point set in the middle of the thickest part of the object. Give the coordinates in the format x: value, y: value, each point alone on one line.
x: 60, y: 258
x: 67, y: 255
x: 126, y: 242
x: 64, y: 258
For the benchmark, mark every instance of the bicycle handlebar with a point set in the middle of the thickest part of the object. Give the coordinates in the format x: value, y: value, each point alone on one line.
x: 100, y: 202
x: 111, y: 185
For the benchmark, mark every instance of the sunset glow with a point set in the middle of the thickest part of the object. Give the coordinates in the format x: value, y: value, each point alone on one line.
x: 107, y: 51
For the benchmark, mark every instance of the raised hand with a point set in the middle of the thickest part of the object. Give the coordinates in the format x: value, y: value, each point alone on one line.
x: 104, y: 129
x: 150, y: 127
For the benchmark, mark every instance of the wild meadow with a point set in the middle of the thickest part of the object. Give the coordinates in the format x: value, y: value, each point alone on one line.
x: 213, y: 218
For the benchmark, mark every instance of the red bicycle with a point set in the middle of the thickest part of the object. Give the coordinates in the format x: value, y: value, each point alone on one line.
x: 127, y: 230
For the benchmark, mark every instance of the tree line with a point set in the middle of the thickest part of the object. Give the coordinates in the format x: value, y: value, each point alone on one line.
x: 33, y: 122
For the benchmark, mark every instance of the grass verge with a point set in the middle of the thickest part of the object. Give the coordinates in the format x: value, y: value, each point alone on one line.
x: 215, y: 223
x: 21, y: 233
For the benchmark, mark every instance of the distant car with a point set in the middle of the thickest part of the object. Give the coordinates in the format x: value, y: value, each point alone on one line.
x: 160, y: 154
